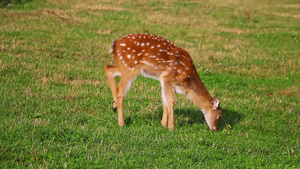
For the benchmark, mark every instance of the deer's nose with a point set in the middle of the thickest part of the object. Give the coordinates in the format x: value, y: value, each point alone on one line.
x: 214, y: 129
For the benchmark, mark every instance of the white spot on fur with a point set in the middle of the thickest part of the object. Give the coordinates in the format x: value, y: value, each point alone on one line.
x: 144, y: 73
x: 147, y: 63
x: 178, y: 90
x: 116, y: 74
x: 122, y: 44
x: 128, y: 85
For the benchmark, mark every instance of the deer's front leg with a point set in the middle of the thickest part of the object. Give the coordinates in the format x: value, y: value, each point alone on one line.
x: 168, y: 101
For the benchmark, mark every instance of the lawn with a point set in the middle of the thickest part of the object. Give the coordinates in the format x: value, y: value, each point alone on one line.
x: 56, y: 106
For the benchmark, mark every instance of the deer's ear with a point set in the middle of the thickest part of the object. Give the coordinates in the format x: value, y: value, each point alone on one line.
x: 215, y: 102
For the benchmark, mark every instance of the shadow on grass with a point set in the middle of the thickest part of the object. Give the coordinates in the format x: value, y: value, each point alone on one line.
x: 183, y: 117
x: 229, y: 117
x: 194, y: 116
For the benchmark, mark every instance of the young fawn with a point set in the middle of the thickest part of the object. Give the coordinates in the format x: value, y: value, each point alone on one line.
x: 158, y: 58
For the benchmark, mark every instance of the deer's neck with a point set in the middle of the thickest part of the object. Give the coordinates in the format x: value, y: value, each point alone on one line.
x: 198, y: 93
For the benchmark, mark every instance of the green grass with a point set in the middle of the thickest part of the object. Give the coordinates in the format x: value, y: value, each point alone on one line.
x: 56, y: 106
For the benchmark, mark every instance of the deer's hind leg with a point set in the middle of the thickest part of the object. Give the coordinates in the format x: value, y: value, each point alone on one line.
x: 119, y: 92
x: 111, y: 72
x: 168, y: 101
x: 123, y: 87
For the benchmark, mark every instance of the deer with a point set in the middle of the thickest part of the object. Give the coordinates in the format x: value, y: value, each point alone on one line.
x: 158, y: 58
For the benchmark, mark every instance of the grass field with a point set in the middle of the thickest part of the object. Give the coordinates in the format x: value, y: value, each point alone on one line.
x: 56, y: 106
